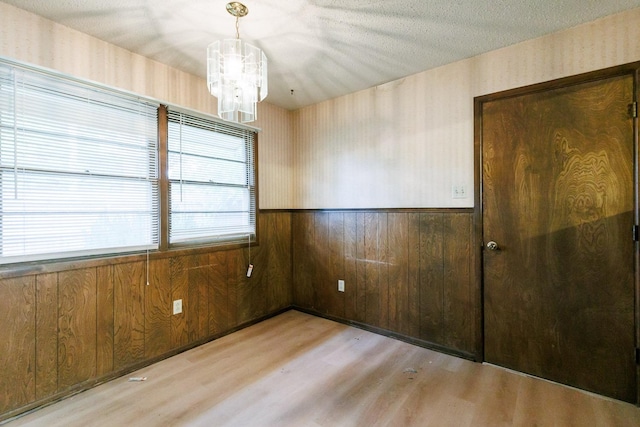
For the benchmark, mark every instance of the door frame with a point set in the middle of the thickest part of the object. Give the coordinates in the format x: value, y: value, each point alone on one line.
x: 478, y: 238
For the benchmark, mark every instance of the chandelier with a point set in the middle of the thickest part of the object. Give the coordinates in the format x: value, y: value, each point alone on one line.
x: 237, y: 73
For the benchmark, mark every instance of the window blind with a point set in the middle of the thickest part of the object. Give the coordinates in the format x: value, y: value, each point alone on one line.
x: 211, y: 181
x: 78, y: 169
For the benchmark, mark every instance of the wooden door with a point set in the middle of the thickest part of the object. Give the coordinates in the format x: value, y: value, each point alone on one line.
x: 558, y: 199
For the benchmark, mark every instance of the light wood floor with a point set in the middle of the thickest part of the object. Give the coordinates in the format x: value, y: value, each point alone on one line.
x: 300, y: 370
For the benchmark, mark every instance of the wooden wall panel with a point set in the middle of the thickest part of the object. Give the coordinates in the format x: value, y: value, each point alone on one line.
x: 157, y: 309
x: 179, y: 290
x: 431, y: 277
x: 336, y: 263
x: 383, y: 270
x: 251, y: 291
x: 371, y: 269
x: 458, y: 310
x: 279, y: 266
x: 46, y: 334
x: 407, y: 272
x: 303, y: 259
x: 63, y: 327
x: 322, y: 278
x: 17, y: 342
x: 361, y: 269
x: 234, y: 258
x: 77, y: 327
x: 198, y: 286
x: 243, y: 294
x: 350, y: 265
x: 219, y: 316
x: 398, y: 272
x: 258, y: 284
x: 105, y: 322
x: 129, y: 282
x: 413, y: 275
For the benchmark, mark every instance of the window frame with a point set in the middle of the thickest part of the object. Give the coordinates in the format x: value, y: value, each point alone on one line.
x: 32, y: 92
x: 163, y: 247
x: 165, y: 201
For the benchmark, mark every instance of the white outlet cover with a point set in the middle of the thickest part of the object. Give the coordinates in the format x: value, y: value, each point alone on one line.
x: 341, y: 285
x: 459, y: 191
x: 177, y: 306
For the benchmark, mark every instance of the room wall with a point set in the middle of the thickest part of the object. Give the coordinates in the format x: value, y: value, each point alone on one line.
x: 404, y: 144
x: 408, y: 274
x: 65, y: 326
x: 367, y: 156
x: 399, y: 145
x: 34, y: 40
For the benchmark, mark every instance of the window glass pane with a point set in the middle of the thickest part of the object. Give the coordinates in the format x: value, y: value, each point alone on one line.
x: 73, y: 212
x: 206, y: 142
x: 188, y: 167
x: 209, y: 198
x: 78, y: 168
x: 211, y: 173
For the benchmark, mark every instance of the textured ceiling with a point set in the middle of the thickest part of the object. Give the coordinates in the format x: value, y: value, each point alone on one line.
x: 322, y: 49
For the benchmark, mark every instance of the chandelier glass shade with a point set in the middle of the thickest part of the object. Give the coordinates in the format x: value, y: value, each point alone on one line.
x: 237, y: 74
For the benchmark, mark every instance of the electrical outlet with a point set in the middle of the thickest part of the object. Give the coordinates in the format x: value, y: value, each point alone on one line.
x: 459, y: 191
x: 177, y: 306
x: 340, y: 285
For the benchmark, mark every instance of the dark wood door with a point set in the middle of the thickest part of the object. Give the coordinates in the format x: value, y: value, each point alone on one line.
x: 557, y: 198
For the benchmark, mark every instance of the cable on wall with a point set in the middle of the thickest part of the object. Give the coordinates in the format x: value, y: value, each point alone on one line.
x: 250, y: 268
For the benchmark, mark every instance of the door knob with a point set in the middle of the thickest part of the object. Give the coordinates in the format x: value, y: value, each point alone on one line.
x: 492, y: 246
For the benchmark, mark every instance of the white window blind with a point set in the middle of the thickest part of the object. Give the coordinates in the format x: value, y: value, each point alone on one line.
x: 211, y: 181
x: 78, y: 169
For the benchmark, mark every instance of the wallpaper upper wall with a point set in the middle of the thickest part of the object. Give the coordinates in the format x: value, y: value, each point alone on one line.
x: 34, y: 40
x: 409, y: 143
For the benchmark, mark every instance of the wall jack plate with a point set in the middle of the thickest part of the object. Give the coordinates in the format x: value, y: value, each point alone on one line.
x: 459, y: 191
x: 177, y: 306
x: 341, y: 285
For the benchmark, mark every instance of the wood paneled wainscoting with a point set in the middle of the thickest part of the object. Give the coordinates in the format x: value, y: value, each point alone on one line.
x: 410, y: 274
x: 67, y: 326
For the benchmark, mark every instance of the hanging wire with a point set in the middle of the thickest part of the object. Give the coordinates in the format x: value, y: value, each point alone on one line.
x: 15, y: 134
x: 250, y: 267
x: 181, y: 124
x: 147, y: 267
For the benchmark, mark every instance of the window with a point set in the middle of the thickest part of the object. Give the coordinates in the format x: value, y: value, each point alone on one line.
x: 211, y: 181
x: 79, y: 172
x: 78, y: 169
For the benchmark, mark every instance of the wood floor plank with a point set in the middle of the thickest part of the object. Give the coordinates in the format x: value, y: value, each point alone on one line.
x: 299, y: 370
